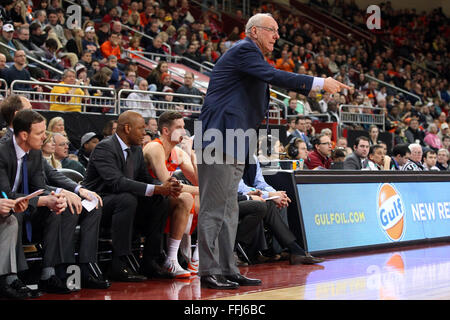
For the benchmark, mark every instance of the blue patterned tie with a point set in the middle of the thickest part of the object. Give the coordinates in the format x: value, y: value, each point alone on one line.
x: 25, y: 190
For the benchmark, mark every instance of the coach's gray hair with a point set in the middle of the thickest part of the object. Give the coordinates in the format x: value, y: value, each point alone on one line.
x: 255, y: 21
x: 413, y: 146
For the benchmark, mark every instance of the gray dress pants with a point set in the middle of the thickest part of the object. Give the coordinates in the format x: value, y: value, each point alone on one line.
x: 8, y: 239
x: 218, y: 217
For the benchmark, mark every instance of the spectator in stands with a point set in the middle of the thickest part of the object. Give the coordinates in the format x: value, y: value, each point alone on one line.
x: 162, y: 167
x: 110, y: 128
x: 117, y: 170
x: 7, y: 38
x: 73, y: 102
x: 48, y: 150
x: 25, y: 44
x: 90, y: 43
x: 112, y: 46
x: 152, y: 127
x: 326, y: 98
x: 300, y: 132
x: 357, y: 160
x: 18, y: 72
x: 37, y: 36
x: 117, y: 75
x: 342, y: 142
x: 415, y: 160
x: 88, y: 142
x: 156, y: 47
x: 429, y: 161
x: 285, y: 63
x: 431, y: 137
x: 400, y: 156
x: 130, y: 76
x: 338, y: 157
x: 319, y: 158
x: 101, y: 79
x: 333, y: 111
x: 291, y: 110
x: 103, y: 32
x: 180, y: 45
x: 141, y: 101
x: 134, y: 45
x: 444, y: 131
x: 155, y: 75
x: 50, y: 47
x: 414, y: 134
x: 446, y: 142
x: 189, y: 89
x: 192, y: 55
x: 375, y: 158
x: 373, y: 135
x: 443, y: 159
x: 62, y: 154
x: 56, y: 30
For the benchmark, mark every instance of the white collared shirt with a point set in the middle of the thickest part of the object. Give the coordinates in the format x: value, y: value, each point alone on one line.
x: 19, y: 154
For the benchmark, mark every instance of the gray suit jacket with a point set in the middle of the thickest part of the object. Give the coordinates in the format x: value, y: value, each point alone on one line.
x: 353, y: 162
x: 53, y: 178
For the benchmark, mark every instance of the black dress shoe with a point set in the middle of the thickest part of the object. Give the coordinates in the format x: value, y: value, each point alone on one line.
x: 14, y: 290
x: 91, y: 282
x: 53, y: 285
x: 306, y: 259
x: 153, y: 269
x: 243, y: 281
x: 125, y: 274
x: 218, y: 282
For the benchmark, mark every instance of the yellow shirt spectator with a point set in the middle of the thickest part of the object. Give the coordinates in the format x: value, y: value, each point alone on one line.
x: 66, y: 103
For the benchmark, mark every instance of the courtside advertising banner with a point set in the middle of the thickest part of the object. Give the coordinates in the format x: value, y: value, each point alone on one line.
x: 350, y: 215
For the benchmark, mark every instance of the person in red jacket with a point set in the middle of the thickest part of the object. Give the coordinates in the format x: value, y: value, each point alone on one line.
x: 320, y: 156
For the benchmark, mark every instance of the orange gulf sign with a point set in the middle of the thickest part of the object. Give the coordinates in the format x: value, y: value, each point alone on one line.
x: 391, y: 212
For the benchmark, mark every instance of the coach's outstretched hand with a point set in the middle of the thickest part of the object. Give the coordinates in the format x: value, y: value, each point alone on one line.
x: 332, y: 86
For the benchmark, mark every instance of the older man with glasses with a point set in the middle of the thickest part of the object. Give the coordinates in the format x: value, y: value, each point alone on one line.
x: 237, y: 100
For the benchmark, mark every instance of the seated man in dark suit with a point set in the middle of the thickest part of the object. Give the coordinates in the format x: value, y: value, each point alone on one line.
x: 257, y: 209
x: 89, y: 222
x: 358, y: 159
x: 21, y: 164
x: 117, y: 171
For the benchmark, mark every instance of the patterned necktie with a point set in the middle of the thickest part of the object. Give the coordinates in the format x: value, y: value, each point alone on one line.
x: 25, y: 190
x: 129, y: 166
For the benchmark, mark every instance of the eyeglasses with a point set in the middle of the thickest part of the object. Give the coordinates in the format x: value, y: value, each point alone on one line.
x: 328, y: 143
x: 63, y: 144
x: 268, y: 29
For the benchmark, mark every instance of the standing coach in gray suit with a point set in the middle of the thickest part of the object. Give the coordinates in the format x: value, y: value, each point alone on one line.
x: 237, y: 98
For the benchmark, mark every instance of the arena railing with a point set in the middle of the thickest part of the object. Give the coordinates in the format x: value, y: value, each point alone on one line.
x: 157, y: 103
x: 98, y: 102
x: 30, y: 58
x: 368, y: 76
x: 355, y: 114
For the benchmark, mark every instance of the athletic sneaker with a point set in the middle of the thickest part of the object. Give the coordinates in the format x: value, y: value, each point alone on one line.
x: 193, y: 267
x: 175, y: 270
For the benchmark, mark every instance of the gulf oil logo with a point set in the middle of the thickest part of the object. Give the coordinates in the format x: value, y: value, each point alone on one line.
x: 391, y: 212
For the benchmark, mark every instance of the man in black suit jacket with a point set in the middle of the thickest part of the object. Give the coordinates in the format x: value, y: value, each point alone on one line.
x: 29, y: 128
x: 73, y: 215
x: 358, y: 159
x: 117, y: 171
